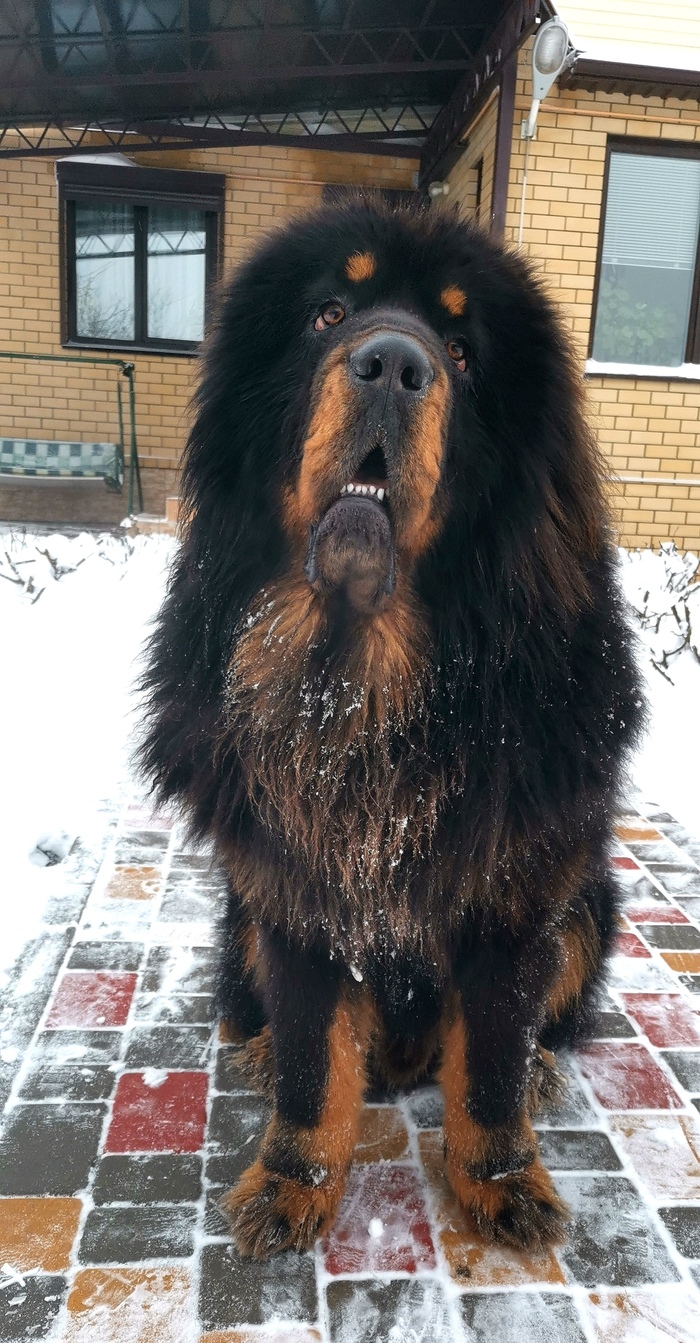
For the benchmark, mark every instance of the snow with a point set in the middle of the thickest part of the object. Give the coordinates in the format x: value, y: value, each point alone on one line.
x: 75, y: 611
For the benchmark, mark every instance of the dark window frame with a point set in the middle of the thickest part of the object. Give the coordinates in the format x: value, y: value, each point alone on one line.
x: 139, y: 187
x: 630, y: 144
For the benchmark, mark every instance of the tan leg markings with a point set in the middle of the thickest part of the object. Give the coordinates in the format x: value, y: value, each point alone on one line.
x: 496, y: 1173
x: 290, y: 1194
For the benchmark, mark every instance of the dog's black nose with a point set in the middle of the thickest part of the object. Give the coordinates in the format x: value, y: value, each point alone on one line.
x: 392, y: 362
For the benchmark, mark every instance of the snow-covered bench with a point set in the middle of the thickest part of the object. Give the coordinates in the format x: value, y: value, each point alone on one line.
x: 62, y: 462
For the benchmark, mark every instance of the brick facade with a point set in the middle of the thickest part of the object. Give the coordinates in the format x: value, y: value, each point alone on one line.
x: 647, y: 427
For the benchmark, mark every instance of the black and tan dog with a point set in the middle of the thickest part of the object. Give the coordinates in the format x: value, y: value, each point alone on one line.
x: 392, y: 680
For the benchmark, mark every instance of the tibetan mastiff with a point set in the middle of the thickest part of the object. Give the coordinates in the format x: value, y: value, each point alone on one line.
x: 392, y: 681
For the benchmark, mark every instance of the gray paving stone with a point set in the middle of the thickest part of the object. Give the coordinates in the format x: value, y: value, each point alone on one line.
x: 235, y: 1291
x: 162, y: 1178
x: 612, y: 1241
x: 520, y: 1317
x: 684, y: 1226
x: 49, y: 1149
x: 29, y: 1312
x: 127, y: 1235
x: 571, y: 1149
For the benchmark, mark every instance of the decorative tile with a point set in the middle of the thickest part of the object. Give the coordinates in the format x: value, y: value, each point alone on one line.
x: 613, y: 1026
x: 168, y: 1047
x: 91, y: 998
x: 126, y: 1235
x: 612, y: 1241
x: 626, y: 1077
x: 140, y: 816
x: 160, y: 1113
x: 629, y: 974
x: 128, y: 1305
x: 49, y: 1149
x: 133, y: 883
x: 626, y: 944
x: 235, y: 1291
x: 38, y: 1233
x: 624, y: 864
x: 690, y: 982
x: 148, y: 1179
x: 629, y: 833
x: 237, y: 1123
x: 682, y: 960
x: 29, y: 1308
x: 142, y: 847
x: 180, y: 970
x: 562, y: 1149
x: 89, y: 1083
x: 229, y: 1076
x: 383, y: 1135
x: 676, y: 878
x: 470, y: 1259
x: 372, y: 1311
x: 517, y: 1317
x: 690, y: 906
x: 392, y: 1196
x: 671, y: 936
x: 658, y: 1316
x: 175, y: 1010
x: 654, y: 914
x: 665, y: 1018
x: 106, y: 956
x: 664, y: 1150
x: 62, y: 1048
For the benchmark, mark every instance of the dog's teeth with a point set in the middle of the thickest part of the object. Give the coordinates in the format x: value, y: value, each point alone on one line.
x: 349, y: 489
x: 380, y: 495
x: 372, y: 489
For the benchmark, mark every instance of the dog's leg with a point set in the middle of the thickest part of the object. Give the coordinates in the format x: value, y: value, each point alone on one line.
x: 491, y: 1148
x: 320, y: 1030
x: 238, y: 999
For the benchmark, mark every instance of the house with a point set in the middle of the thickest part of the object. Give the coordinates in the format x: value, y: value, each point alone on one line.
x: 119, y: 214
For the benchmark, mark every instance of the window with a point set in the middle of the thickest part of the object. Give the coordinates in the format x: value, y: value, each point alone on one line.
x: 139, y: 253
x: 647, y: 291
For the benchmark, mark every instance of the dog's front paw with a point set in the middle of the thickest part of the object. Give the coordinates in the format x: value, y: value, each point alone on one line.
x: 547, y: 1084
x: 269, y: 1213
x: 521, y: 1209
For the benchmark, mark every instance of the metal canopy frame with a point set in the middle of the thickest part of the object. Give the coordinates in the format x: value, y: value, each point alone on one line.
x: 90, y: 76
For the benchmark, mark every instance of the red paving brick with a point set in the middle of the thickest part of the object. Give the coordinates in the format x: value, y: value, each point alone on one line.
x: 628, y: 944
x: 392, y: 1195
x: 92, y: 998
x: 654, y: 914
x: 626, y: 1077
x: 665, y: 1018
x: 625, y: 864
x: 167, y: 1116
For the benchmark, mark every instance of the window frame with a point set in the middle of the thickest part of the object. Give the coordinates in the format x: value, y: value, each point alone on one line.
x: 630, y: 144
x: 140, y: 188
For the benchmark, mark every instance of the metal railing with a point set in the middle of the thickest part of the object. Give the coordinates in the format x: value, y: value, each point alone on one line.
x: 127, y: 370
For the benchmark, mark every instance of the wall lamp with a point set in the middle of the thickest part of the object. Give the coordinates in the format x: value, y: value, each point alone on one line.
x: 550, y: 54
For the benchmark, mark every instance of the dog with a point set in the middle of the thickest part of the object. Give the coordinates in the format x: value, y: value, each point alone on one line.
x: 392, y: 681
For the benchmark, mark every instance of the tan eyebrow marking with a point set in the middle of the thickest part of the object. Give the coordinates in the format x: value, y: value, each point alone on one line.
x: 454, y: 299
x: 360, y: 266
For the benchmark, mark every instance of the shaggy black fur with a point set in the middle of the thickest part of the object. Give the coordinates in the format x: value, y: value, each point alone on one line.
x: 434, y: 841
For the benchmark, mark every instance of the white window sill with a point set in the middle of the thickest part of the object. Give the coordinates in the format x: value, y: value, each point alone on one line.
x: 686, y: 372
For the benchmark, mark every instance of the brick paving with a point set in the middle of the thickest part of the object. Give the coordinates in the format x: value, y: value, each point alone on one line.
x: 125, y: 1119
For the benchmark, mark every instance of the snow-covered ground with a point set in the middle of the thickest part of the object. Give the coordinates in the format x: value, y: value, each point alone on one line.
x: 74, y: 615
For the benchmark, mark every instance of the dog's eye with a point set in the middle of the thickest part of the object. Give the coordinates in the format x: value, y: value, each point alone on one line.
x: 457, y: 352
x: 330, y: 316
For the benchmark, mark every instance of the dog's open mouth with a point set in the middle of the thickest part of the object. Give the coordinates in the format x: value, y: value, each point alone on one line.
x: 370, y: 480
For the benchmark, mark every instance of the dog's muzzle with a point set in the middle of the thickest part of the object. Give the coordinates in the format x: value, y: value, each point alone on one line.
x: 351, y: 552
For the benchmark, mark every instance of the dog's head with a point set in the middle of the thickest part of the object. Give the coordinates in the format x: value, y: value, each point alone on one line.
x: 384, y: 389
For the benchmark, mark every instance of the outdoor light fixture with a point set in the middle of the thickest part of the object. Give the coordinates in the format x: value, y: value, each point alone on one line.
x: 438, y: 189
x: 549, y: 56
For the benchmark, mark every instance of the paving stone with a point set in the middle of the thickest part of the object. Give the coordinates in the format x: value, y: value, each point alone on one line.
x: 129, y: 882
x: 142, y: 846
x: 223, y: 1169
x: 164, y: 1113
x: 690, y: 982
x: 193, y: 862
x: 191, y: 897
x: 128, y: 1305
x: 612, y: 1241
x: 637, y: 887
x: 142, y: 816
x: 175, y: 1010
x: 657, y: 1315
x: 664, y: 1151
x: 106, y: 956
x: 61, y: 1048
x: 29, y: 1311
x: 180, y: 970
x: 516, y: 1317
x: 66, y: 908
x: 85, y: 1083
x: 236, y: 1123
x: 671, y: 936
x: 682, y: 960
x: 570, y: 1149
x: 236, y: 1291
x: 168, y: 1047
x: 676, y: 878
x: 691, y: 906
x: 626, y: 1077
x: 626, y: 944
x: 685, y: 1064
x: 382, y: 1312
x: 126, y: 1235
x: 658, y: 913
x: 661, y: 852
x: 426, y: 1108
x: 49, y: 1149
x: 394, y: 1196
x: 216, y: 1222
x: 637, y: 831
x: 665, y: 1018
x: 148, y: 1179
x: 573, y: 1110
x: 627, y: 974
x: 622, y: 863
x: 92, y: 998
x: 470, y: 1259
x: 612, y: 1026
x: 684, y: 1226
x: 383, y: 1135
x: 29, y: 986
x: 38, y: 1233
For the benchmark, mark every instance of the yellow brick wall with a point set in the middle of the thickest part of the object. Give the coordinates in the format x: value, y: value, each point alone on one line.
x: 264, y: 186
x: 480, y: 145
x: 646, y: 427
